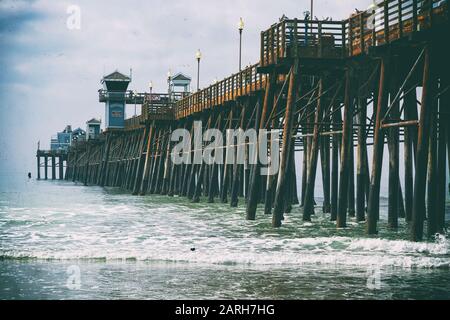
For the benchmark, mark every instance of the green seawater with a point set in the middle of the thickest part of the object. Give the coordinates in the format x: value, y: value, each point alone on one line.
x: 119, y: 246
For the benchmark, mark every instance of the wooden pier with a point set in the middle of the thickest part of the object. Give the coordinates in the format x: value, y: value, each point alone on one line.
x: 42, y: 159
x: 334, y: 89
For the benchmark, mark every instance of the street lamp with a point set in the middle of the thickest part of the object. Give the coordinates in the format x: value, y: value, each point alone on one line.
x: 150, y: 85
x: 240, y: 27
x: 312, y: 9
x: 169, y: 79
x: 135, y: 95
x: 198, y: 56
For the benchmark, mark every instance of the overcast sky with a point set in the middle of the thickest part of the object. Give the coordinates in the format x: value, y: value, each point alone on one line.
x: 50, y: 74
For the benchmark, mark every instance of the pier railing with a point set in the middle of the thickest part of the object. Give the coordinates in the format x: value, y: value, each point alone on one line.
x: 313, y: 38
x: 129, y: 96
x: 160, y: 107
x: 390, y: 20
x: 383, y: 22
x: 229, y: 89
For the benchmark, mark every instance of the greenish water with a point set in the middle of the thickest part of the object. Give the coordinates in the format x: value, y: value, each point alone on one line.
x: 133, y: 247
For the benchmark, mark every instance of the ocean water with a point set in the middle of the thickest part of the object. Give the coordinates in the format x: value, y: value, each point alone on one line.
x: 62, y: 240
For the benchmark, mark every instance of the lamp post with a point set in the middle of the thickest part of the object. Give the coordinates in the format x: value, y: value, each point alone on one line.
x: 169, y: 79
x: 134, y: 94
x: 240, y: 27
x: 150, y: 86
x: 312, y: 9
x: 198, y: 56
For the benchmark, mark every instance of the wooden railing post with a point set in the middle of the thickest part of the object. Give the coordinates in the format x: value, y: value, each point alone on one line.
x: 374, y: 32
x: 262, y: 51
x: 414, y: 9
x: 400, y: 19
x: 277, y: 44
x: 361, y: 31
x: 320, y: 39
x: 295, y: 44
x: 344, y: 45
x: 272, y: 51
x: 350, y: 36
x: 431, y: 12
x: 386, y: 21
x: 232, y: 87
x: 283, y: 39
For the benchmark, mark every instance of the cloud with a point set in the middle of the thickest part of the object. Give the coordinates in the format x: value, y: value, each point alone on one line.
x: 49, y: 75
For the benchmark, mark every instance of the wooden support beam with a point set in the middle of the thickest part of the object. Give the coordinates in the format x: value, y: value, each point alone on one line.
x: 290, y: 180
x: 53, y: 168
x: 286, y: 146
x: 271, y: 184
x: 308, y: 208
x: 444, y: 132
x: 61, y: 167
x: 86, y: 165
x: 156, y: 178
x: 336, y: 119
x: 401, y: 206
x: 399, y: 124
x: 194, y: 168
x: 361, y: 161
x: 227, y: 167
x: 409, y: 145
x: 325, y: 164
x: 46, y: 167
x: 426, y: 112
x: 130, y: 162
x: 68, y: 167
x: 141, y: 161
x: 293, y: 174
x: 167, y: 164
x: 304, y: 163
x: 235, y: 186
x: 105, y: 159
x: 187, y: 167
x: 146, y: 170
x: 161, y: 162
x: 377, y: 158
x: 254, y: 176
x: 393, y: 147
x: 347, y: 144
x: 202, y: 166
x: 408, y: 163
x: 213, y: 183
x: 155, y: 159
x: 351, y: 181
x: 432, y: 179
x: 74, y: 165
x: 38, y: 169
